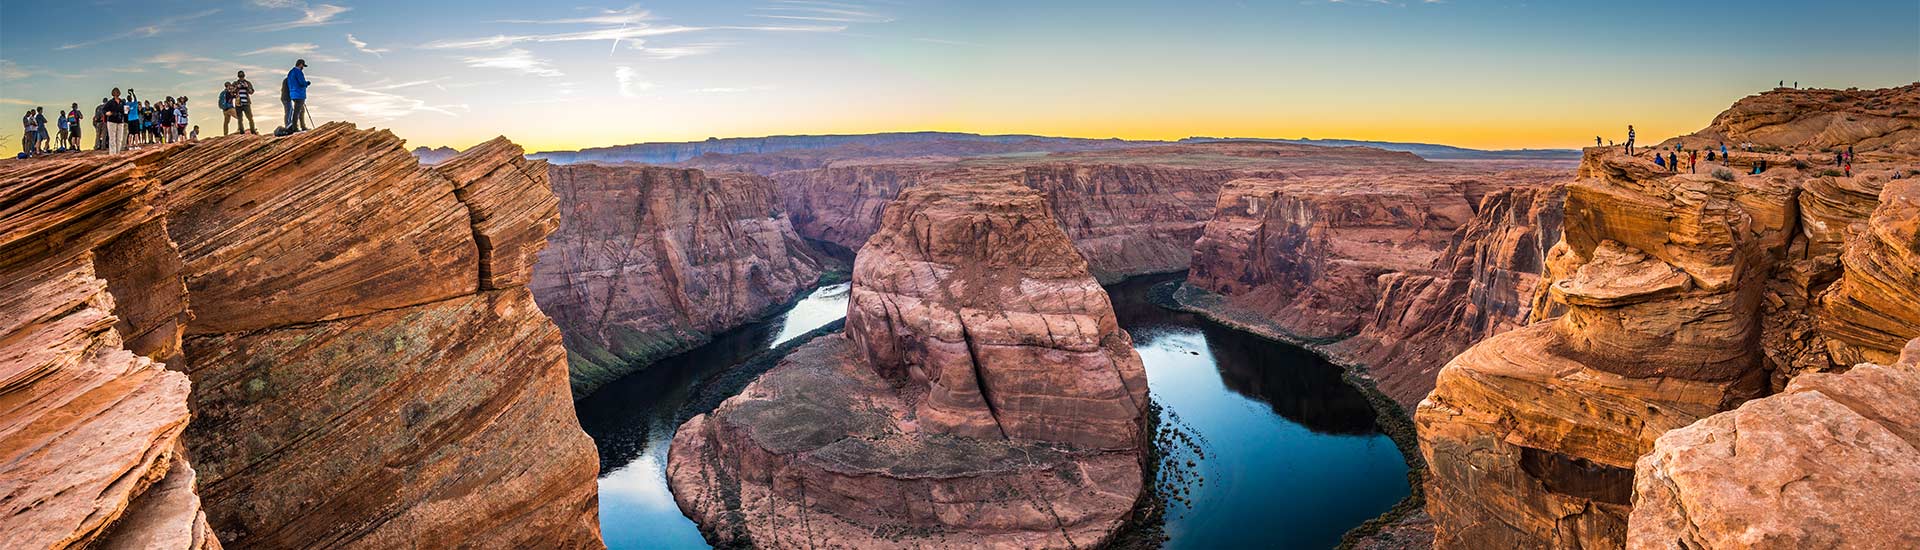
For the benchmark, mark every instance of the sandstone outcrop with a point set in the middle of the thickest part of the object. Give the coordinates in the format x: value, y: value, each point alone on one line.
x: 1129, y: 211
x: 1821, y: 465
x: 368, y: 368
x: 1680, y: 295
x: 983, y: 396
x: 90, y: 424
x: 650, y: 261
x: 1395, y: 271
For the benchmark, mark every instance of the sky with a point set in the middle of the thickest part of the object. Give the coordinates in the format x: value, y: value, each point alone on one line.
x: 565, y: 74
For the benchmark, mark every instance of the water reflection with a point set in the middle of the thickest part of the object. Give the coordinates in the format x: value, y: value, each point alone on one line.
x: 1290, y: 457
x: 632, y: 420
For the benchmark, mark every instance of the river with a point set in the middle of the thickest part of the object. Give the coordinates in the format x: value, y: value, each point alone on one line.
x: 1277, y: 451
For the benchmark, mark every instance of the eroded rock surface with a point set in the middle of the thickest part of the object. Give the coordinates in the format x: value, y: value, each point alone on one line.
x: 1820, y: 465
x: 1682, y: 294
x: 1129, y: 211
x: 1394, y: 271
x: 90, y: 424
x: 368, y: 368
x: 983, y: 396
x: 650, y: 261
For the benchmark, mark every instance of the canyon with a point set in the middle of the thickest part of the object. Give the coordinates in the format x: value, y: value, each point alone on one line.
x: 648, y: 262
x: 982, y: 395
x: 328, y: 340
x: 1689, y: 315
x: 286, y: 342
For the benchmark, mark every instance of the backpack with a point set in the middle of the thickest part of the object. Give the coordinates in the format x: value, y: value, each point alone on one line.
x: 226, y: 100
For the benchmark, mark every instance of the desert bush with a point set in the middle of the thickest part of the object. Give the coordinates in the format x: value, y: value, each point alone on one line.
x: 1723, y: 174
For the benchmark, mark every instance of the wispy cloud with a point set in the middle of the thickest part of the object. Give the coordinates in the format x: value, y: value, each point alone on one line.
x: 810, y: 10
x: 676, y: 52
x: 631, y: 15
x: 514, y: 59
x: 630, y: 83
x: 373, y: 103
x: 304, y: 50
x: 13, y: 71
x: 364, y: 48
x: 311, y: 15
x: 158, y: 27
x: 631, y: 25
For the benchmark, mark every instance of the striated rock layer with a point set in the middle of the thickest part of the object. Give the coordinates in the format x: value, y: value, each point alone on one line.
x: 649, y: 262
x: 1821, y: 465
x: 1129, y: 212
x: 1680, y: 295
x: 1395, y: 271
x: 983, y: 396
x: 90, y: 424
x: 368, y: 368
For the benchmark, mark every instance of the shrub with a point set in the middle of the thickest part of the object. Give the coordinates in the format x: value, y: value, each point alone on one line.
x: 1832, y: 173
x: 1723, y: 174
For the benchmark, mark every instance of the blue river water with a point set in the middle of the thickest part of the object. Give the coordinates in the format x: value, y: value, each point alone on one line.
x: 1275, y: 450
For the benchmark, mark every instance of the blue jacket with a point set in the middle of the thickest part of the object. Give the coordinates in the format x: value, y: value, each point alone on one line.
x: 297, y: 84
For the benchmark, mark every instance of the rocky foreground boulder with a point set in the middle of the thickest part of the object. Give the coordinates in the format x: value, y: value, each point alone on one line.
x: 649, y: 262
x: 91, y: 449
x: 1683, y: 295
x: 367, y: 366
x: 982, y: 396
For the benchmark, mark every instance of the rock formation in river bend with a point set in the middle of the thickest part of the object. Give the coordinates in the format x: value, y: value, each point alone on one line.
x: 368, y: 368
x: 1684, y: 295
x: 1396, y: 271
x: 983, y: 396
x: 649, y: 262
x: 1129, y: 212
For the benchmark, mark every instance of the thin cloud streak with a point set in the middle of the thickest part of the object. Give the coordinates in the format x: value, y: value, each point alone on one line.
x: 364, y: 48
x: 157, y: 28
x: 311, y: 16
x: 517, y: 60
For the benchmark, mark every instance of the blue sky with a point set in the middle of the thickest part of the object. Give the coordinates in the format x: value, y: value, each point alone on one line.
x: 565, y: 74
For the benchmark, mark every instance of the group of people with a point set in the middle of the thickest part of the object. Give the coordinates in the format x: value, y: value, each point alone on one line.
x: 37, y: 140
x: 121, y: 123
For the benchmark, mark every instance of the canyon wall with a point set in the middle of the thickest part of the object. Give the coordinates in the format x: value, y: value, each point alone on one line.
x: 1681, y: 295
x: 1397, y: 271
x: 649, y: 262
x: 983, y: 395
x: 1129, y: 212
x: 91, y: 450
x: 367, y: 367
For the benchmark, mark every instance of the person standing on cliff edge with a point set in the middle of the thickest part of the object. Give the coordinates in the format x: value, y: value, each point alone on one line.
x: 297, y: 96
x: 243, y: 104
x: 1629, y: 139
x: 116, y: 124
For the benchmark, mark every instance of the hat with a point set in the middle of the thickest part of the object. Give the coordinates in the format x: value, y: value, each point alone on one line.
x: 300, y: 63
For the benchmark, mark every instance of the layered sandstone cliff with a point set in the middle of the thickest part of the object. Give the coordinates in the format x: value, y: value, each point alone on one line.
x: 649, y: 262
x: 1681, y: 295
x: 90, y: 424
x: 368, y: 368
x: 983, y: 396
x: 1129, y: 212
x: 1396, y: 271
x: 1823, y: 464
